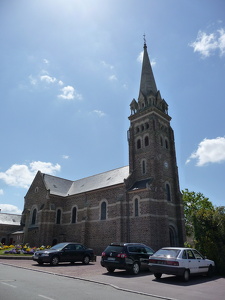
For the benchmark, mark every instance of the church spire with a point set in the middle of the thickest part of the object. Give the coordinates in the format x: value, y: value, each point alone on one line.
x: 147, y: 84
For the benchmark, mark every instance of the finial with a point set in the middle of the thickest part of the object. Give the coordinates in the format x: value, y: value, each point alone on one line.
x: 144, y: 40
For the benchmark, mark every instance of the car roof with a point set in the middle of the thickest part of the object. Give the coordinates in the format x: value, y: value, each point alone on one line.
x: 176, y: 248
x: 126, y: 244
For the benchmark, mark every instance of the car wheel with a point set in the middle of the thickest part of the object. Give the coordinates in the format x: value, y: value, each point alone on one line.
x: 54, y: 261
x: 158, y: 275
x: 135, y: 268
x: 210, y: 271
x: 186, y: 275
x: 110, y: 270
x: 86, y: 260
x: 40, y: 262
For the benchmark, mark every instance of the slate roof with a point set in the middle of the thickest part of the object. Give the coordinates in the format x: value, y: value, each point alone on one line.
x: 10, y: 219
x: 63, y: 187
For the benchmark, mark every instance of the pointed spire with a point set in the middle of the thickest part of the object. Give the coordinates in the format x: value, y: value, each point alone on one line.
x: 147, y: 84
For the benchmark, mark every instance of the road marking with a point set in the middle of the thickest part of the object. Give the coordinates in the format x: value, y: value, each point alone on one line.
x: 42, y: 296
x: 13, y: 286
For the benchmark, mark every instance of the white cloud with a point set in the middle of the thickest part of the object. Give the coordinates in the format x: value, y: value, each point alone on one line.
x: 207, y: 44
x: 10, y: 209
x: 113, y: 78
x: 48, y: 78
x: 33, y: 81
x: 45, y: 61
x: 140, y: 59
x: 60, y: 82
x: 222, y: 41
x: 65, y: 156
x: 209, y: 151
x: 106, y: 65
x: 23, y: 175
x: 99, y: 113
x: 69, y: 93
x: 1, y: 192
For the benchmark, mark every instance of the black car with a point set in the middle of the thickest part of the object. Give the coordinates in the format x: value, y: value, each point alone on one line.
x: 126, y: 256
x: 64, y: 252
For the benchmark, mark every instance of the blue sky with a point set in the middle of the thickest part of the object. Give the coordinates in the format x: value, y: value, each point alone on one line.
x: 70, y: 68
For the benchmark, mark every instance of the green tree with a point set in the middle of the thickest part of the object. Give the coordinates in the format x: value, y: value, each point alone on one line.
x: 193, y: 202
x: 205, y: 227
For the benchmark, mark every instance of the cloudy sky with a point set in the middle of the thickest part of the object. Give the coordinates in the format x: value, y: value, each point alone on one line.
x: 70, y: 68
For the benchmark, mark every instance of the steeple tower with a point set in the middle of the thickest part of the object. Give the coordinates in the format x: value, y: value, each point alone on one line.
x: 153, y: 181
x: 147, y: 84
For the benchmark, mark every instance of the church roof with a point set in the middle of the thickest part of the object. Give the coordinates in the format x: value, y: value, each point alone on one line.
x: 63, y: 187
x: 10, y: 219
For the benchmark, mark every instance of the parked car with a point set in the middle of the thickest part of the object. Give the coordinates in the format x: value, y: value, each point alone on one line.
x: 181, y: 262
x: 126, y: 256
x: 64, y: 252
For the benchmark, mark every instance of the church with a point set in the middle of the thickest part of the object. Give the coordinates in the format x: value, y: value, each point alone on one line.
x: 140, y: 202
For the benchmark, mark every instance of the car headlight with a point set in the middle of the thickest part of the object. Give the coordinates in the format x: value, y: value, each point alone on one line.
x: 45, y: 254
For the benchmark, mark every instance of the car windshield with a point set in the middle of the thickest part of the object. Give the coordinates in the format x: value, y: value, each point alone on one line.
x: 59, y: 246
x: 167, y: 253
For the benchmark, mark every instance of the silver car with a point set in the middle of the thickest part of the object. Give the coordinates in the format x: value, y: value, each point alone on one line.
x: 181, y: 262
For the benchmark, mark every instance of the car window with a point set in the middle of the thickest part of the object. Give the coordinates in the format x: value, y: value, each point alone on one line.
x: 184, y: 254
x: 117, y: 249
x: 190, y: 254
x: 134, y: 249
x: 168, y: 253
x: 69, y: 247
x: 79, y: 247
x: 148, y: 250
x: 197, y: 254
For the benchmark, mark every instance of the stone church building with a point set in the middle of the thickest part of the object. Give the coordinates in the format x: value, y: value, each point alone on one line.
x: 136, y: 203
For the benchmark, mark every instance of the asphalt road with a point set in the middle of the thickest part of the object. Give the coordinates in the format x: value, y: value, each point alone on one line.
x: 144, y: 284
x: 26, y: 284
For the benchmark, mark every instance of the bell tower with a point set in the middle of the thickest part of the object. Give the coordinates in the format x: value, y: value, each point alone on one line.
x: 152, y: 156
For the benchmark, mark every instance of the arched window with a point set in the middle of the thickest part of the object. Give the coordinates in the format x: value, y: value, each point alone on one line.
x: 172, y: 233
x: 138, y: 144
x: 34, y: 216
x: 146, y: 141
x: 161, y: 141
x: 168, y: 195
x: 103, y: 210
x: 166, y: 144
x: 143, y: 166
x: 58, y: 216
x: 136, y: 208
x: 74, y: 215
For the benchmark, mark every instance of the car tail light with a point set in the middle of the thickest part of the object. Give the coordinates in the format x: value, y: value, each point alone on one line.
x: 172, y: 263
x: 164, y: 262
x: 122, y: 255
x: 103, y: 253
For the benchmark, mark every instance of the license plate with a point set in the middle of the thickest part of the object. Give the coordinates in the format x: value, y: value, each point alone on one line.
x: 111, y: 258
